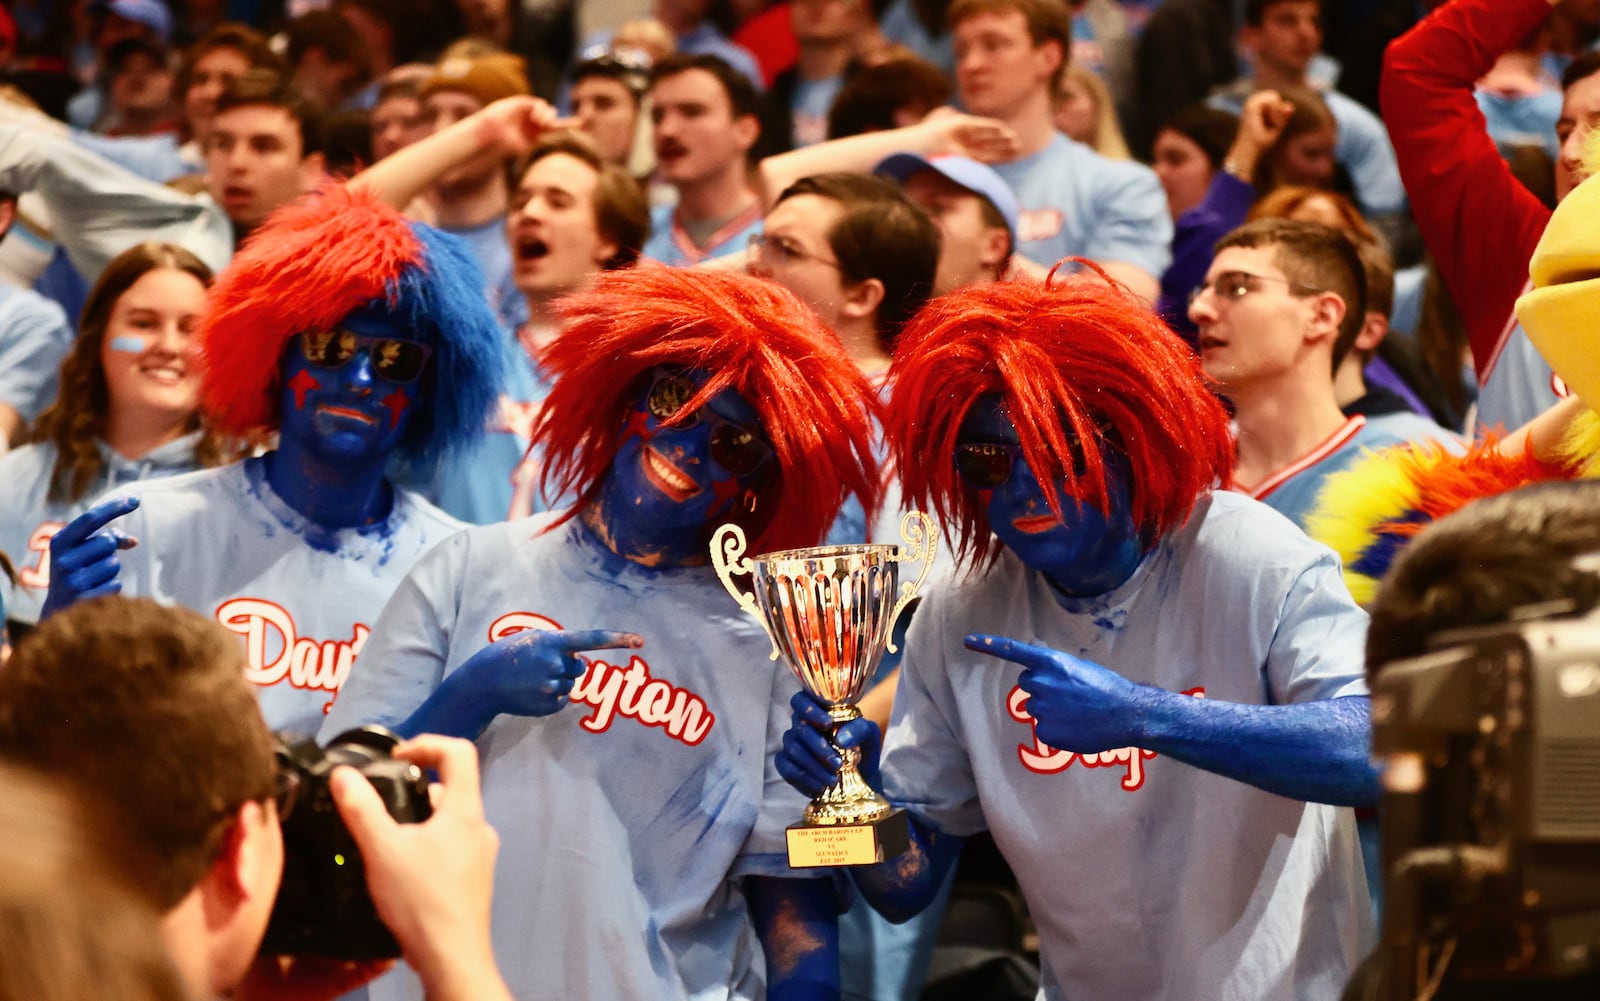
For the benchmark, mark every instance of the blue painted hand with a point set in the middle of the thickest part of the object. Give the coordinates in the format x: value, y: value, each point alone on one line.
x: 809, y: 761
x: 530, y: 673
x: 83, y: 556
x: 1076, y: 704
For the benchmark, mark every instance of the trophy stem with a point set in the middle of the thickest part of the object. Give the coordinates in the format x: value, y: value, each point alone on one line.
x: 849, y: 800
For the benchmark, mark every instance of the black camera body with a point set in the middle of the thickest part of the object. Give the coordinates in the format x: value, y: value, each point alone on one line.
x: 323, y: 907
x: 1491, y: 809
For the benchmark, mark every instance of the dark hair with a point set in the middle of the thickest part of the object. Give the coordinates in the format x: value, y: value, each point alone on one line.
x: 349, y: 142
x: 242, y: 38
x: 872, y: 95
x: 1211, y: 129
x: 274, y: 89
x: 328, y: 30
x: 75, y: 423
x: 1313, y: 256
x: 1581, y: 68
x: 1311, y: 114
x: 400, y: 86
x: 632, y: 74
x: 144, y: 707
x: 1378, y: 266
x: 1256, y: 10
x: 742, y: 96
x: 621, y: 210
x: 884, y: 235
x: 1476, y: 566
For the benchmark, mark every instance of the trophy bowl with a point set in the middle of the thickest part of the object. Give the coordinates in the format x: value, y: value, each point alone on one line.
x: 830, y: 613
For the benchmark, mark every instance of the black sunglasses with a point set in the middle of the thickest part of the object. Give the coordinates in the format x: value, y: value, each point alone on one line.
x: 392, y: 358
x: 986, y: 464
x: 736, y: 448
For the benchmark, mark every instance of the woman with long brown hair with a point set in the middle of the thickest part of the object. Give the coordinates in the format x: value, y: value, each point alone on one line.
x: 127, y: 409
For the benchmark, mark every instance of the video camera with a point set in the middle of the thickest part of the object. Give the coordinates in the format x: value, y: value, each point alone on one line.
x: 323, y: 906
x: 1491, y: 803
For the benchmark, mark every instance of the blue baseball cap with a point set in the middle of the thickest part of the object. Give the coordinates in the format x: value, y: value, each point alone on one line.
x: 978, y: 178
x: 153, y: 14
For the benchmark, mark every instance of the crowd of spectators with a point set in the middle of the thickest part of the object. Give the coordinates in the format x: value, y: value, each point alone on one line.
x: 1329, y: 207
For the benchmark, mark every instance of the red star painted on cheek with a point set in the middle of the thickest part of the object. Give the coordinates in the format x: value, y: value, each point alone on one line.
x: 302, y: 383
x: 396, y: 403
x: 723, y: 492
x: 637, y: 426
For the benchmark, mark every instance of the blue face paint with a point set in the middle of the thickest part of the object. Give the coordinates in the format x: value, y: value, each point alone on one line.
x: 129, y: 344
x: 667, y: 488
x: 1084, y: 552
x: 341, y: 420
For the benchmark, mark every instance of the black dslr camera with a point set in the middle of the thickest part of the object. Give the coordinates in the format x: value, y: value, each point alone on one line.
x: 323, y: 907
x: 1491, y: 806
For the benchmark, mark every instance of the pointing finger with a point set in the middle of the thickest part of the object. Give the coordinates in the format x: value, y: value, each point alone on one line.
x: 596, y: 639
x: 94, y: 519
x: 1026, y: 654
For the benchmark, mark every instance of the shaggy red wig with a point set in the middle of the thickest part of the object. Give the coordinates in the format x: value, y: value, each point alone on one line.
x: 1080, y: 361
x: 308, y: 267
x: 750, y: 335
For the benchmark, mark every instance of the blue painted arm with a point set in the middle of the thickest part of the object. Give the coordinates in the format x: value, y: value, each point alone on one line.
x: 797, y: 921
x: 900, y: 888
x: 530, y: 673
x: 83, y: 556
x: 1314, y: 751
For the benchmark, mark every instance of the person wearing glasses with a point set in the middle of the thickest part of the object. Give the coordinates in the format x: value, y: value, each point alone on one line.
x: 1282, y: 303
x: 635, y: 784
x: 1191, y: 692
x: 360, y: 340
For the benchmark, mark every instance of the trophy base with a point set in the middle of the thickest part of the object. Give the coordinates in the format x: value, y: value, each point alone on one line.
x: 811, y: 846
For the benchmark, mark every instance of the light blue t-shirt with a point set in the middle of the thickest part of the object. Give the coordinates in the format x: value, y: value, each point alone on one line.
x: 1520, y: 384
x: 670, y: 245
x: 809, y: 107
x: 482, y: 483
x: 900, y: 24
x: 29, y: 518
x: 1293, y: 490
x: 492, y: 250
x: 1148, y: 878
x: 1362, y: 147
x: 627, y: 818
x: 301, y: 598
x: 1525, y: 120
x: 159, y: 158
x: 1077, y: 203
x: 34, y: 336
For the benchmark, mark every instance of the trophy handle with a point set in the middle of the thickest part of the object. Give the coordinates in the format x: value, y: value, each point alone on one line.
x: 727, y: 555
x: 921, y: 538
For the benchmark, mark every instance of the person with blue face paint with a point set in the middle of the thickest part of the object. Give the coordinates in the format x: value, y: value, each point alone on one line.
x: 637, y: 787
x: 1191, y: 700
x: 361, y: 340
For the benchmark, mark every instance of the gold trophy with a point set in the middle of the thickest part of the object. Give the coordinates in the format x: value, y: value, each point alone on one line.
x: 829, y: 611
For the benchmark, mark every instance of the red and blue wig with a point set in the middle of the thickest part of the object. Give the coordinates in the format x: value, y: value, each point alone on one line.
x: 747, y: 334
x: 311, y: 264
x: 1081, y: 366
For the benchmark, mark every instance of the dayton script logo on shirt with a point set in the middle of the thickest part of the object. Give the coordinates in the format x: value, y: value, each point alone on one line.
x: 268, y: 631
x: 1046, y: 760
x: 613, y: 690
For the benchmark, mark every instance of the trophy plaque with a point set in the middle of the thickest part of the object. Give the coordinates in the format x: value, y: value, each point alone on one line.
x: 830, y: 612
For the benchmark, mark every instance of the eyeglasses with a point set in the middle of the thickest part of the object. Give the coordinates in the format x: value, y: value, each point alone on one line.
x: 392, y: 358
x: 986, y: 465
x: 777, y: 252
x: 1232, y: 285
x: 736, y: 448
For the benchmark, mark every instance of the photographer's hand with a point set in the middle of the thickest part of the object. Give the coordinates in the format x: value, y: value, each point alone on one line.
x: 432, y: 882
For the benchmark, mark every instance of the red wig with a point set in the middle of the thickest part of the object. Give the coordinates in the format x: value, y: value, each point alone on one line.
x: 308, y: 267
x: 749, y: 335
x: 1082, y: 361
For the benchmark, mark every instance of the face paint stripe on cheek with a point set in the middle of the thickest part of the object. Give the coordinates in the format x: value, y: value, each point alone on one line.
x: 396, y: 403
x: 129, y: 344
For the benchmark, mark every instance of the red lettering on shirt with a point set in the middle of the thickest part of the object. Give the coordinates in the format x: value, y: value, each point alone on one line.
x: 321, y: 665
x: 1038, y: 224
x: 1046, y: 760
x: 38, y: 575
x: 626, y: 690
